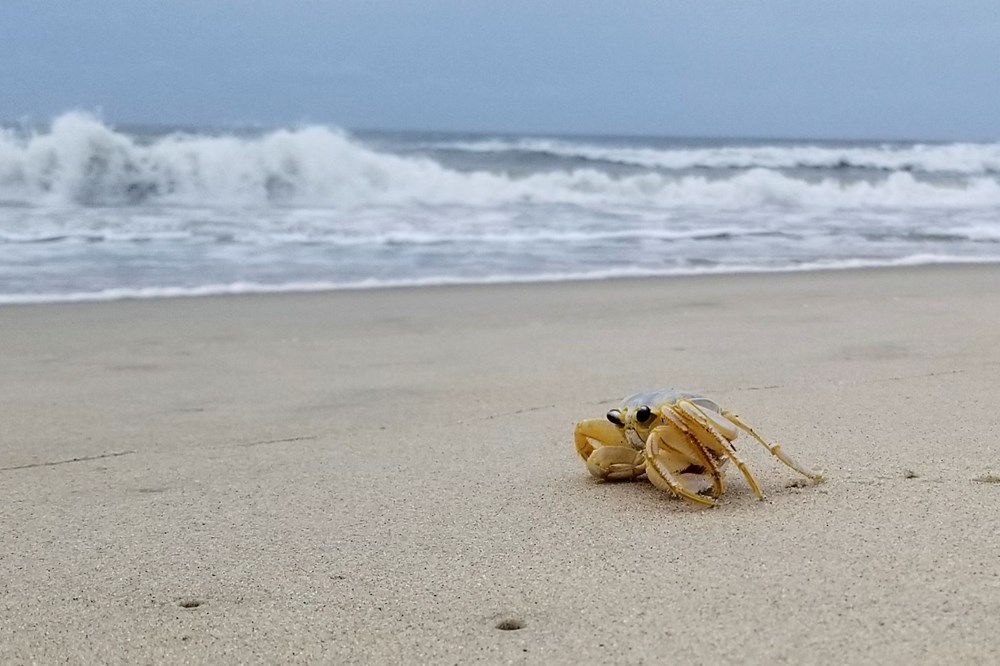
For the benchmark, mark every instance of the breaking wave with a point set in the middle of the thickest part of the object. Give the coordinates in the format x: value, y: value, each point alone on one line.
x: 82, y: 161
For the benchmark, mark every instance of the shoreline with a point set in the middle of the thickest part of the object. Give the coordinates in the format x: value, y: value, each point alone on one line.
x: 256, y: 289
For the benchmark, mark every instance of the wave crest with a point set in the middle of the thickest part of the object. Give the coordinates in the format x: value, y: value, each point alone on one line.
x: 82, y: 161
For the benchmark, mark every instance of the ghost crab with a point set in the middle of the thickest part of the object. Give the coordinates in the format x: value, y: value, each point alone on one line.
x: 681, y: 441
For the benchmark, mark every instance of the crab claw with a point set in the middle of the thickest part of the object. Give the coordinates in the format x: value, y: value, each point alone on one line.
x: 616, y: 463
x: 591, y: 434
x: 603, y: 446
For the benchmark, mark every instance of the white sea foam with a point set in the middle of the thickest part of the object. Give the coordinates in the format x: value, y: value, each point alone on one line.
x: 238, y: 288
x: 88, y: 212
x: 83, y: 161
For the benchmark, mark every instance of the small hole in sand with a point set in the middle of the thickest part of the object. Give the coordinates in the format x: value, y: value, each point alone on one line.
x: 190, y: 603
x: 910, y: 474
x: 510, y: 624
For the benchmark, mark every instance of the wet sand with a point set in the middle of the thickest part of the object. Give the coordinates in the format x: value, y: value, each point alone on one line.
x: 388, y: 476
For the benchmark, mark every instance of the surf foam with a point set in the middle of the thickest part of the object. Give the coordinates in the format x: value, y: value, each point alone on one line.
x: 82, y: 161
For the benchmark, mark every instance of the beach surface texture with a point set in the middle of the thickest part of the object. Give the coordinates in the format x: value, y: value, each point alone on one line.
x: 389, y: 476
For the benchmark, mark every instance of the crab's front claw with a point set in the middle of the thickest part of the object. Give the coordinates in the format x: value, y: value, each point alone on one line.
x: 592, y: 434
x: 617, y: 463
x: 603, y: 446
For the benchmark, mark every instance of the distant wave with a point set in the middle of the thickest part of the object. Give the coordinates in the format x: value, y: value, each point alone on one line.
x: 951, y: 158
x: 81, y: 161
x: 127, y: 293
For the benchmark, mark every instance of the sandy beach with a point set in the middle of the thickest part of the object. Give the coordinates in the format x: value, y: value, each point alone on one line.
x: 386, y: 476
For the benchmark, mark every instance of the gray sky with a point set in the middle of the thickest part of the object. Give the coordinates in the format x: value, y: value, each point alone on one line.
x: 763, y: 68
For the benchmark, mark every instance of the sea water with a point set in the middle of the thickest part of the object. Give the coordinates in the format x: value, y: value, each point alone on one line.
x: 91, y: 211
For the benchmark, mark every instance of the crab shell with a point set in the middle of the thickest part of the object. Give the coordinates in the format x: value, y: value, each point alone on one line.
x: 637, y: 432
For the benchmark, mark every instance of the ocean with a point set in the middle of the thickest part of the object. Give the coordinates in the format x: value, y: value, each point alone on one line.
x: 89, y: 211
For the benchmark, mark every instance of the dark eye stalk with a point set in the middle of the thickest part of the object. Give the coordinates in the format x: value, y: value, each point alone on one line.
x: 643, y: 414
x: 615, y: 417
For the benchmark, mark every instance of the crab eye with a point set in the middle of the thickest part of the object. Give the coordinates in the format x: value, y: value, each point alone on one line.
x: 615, y: 417
x: 643, y: 414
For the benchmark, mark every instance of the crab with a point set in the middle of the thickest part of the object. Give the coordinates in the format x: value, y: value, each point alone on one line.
x: 681, y: 441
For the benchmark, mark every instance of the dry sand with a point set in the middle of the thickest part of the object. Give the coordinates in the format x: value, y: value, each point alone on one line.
x: 384, y: 476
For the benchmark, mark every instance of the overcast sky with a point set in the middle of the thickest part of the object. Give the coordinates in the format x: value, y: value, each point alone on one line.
x: 756, y: 68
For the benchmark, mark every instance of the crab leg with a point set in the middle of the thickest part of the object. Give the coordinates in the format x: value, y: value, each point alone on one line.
x: 751, y: 480
x: 704, y: 457
x: 774, y: 449
x: 694, y: 413
x: 658, y: 471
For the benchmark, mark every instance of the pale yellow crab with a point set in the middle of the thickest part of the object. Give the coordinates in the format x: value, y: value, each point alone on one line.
x: 681, y: 441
